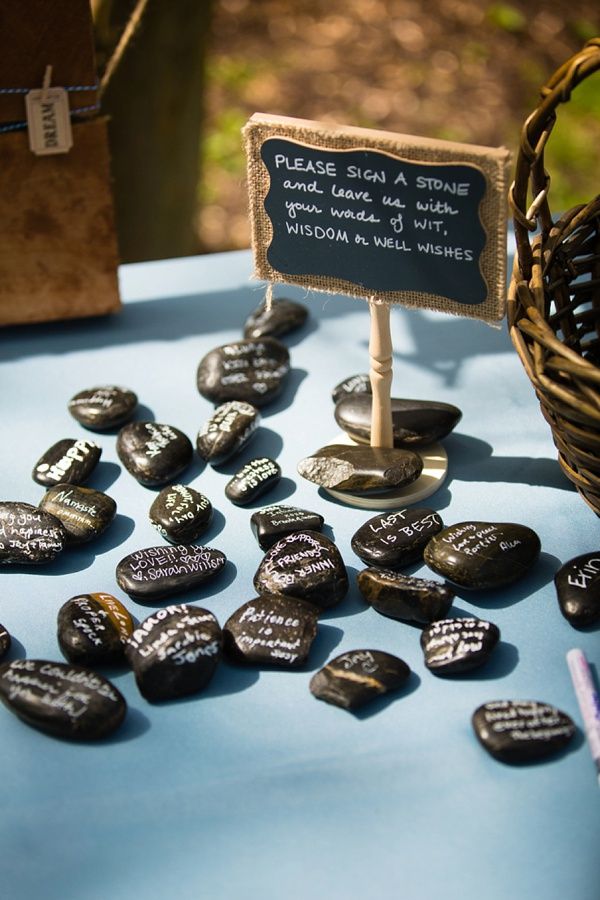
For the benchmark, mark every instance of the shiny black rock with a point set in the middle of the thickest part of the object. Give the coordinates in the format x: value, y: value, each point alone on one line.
x: 174, y: 652
x: 515, y: 731
x: 69, y: 461
x: 396, y: 539
x: 271, y: 630
x: 154, y: 454
x: 84, y: 512
x: 357, y: 677
x: 101, y: 408
x: 180, y: 513
x: 283, y: 316
x: 228, y: 430
x: 272, y: 523
x: 483, y: 555
x: 92, y: 629
x: 253, y: 480
x: 355, y: 384
x: 415, y: 423
x: 364, y: 469
x: 250, y: 370
x: 61, y: 699
x: 578, y: 589
x: 452, y: 646
x: 305, y: 565
x: 404, y: 596
x: 157, y: 572
x: 5, y: 641
x: 28, y: 535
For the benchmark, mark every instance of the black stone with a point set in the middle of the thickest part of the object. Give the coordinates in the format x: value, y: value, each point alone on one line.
x: 28, y: 535
x: 84, y: 512
x: 283, y: 316
x: 404, y: 596
x: 92, y: 629
x: 181, y: 514
x: 271, y: 630
x: 157, y: 572
x: 483, y: 554
x: 68, y: 461
x: 252, y: 371
x: 253, y: 480
x: 355, y: 384
x: 396, y: 539
x: 5, y: 641
x: 577, y: 585
x: 515, y: 731
x: 272, y: 523
x: 154, y: 454
x: 415, y: 423
x: 174, y: 652
x: 361, y: 469
x: 228, y: 430
x: 62, y: 699
x: 100, y: 408
x: 355, y: 678
x: 305, y: 565
x: 452, y: 646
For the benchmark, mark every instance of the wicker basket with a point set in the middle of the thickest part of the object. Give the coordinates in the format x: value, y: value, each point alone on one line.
x: 554, y: 295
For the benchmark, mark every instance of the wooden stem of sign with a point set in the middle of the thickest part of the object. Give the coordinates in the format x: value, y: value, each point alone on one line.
x: 380, y: 350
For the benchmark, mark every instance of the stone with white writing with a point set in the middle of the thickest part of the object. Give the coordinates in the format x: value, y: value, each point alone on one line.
x: 101, y: 408
x: 355, y: 384
x: 355, y: 678
x: 577, y: 585
x: 253, y: 480
x: 271, y: 630
x: 28, y: 535
x: 305, y: 565
x: 228, y: 430
x: 154, y: 573
x: 153, y: 453
x: 453, y: 646
x: 5, y: 641
x: 365, y: 470
x: 415, y: 423
x: 272, y: 523
x: 62, y: 699
x: 174, y: 652
x: 396, y: 539
x: 280, y: 318
x: 516, y: 731
x: 92, y: 629
x: 483, y: 555
x: 84, y: 512
x: 180, y: 513
x: 249, y: 370
x: 69, y: 461
x: 405, y: 597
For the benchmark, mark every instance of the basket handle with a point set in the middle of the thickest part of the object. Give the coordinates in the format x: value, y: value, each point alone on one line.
x: 529, y: 170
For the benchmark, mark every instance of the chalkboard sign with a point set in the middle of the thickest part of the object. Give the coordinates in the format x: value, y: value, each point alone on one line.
x: 379, y: 215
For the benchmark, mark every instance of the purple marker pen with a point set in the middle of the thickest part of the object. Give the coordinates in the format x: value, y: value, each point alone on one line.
x: 589, y: 702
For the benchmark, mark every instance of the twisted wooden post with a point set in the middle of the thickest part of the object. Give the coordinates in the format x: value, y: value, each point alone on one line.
x: 380, y: 351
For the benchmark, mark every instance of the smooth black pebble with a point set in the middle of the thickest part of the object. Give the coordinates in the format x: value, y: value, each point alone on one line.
x: 69, y: 461
x: 84, y: 512
x: 271, y: 630
x: 355, y: 384
x: 253, y: 480
x: 157, y: 572
x: 516, y: 731
x: 364, y: 470
x: 250, y: 370
x: 174, y: 652
x: 62, y: 699
x: 415, y: 423
x: 405, y: 597
x: 452, y: 646
x: 29, y: 535
x: 355, y: 678
x: 180, y: 513
x: 5, y: 641
x: 305, y: 565
x: 282, y: 317
x: 396, y: 539
x: 92, y: 629
x: 101, y: 408
x: 577, y: 585
x: 228, y: 430
x: 154, y: 454
x: 272, y: 523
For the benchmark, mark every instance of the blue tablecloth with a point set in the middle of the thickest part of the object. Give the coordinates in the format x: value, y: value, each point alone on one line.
x: 255, y: 789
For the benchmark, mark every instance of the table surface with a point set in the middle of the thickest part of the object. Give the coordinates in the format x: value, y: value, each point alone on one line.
x: 254, y: 788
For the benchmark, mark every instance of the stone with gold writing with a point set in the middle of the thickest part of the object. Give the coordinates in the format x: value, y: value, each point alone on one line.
x: 271, y: 630
x: 520, y: 731
x: 453, y: 646
x: 577, y: 584
x: 154, y: 453
x: 68, y: 461
x: 357, y: 677
x: 29, y: 535
x: 180, y: 513
x: 361, y: 469
x: 396, y: 539
x: 154, y: 573
x: 84, y: 512
x: 102, y: 408
x: 92, y: 629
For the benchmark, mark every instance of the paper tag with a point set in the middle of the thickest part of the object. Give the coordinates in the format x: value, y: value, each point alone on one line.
x: 48, y: 121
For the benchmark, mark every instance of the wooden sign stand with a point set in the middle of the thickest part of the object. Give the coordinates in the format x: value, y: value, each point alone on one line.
x: 380, y: 352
